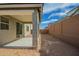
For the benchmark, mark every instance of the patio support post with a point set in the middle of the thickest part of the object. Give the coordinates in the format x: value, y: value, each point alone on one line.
x: 35, y: 28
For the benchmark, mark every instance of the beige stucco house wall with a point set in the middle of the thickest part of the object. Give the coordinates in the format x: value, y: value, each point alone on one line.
x: 9, y: 35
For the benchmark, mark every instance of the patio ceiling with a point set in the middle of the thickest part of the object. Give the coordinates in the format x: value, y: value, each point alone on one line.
x: 21, y: 15
x: 16, y: 12
x: 23, y: 18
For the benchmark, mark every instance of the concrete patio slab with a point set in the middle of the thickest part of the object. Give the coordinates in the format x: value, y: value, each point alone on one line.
x: 23, y: 42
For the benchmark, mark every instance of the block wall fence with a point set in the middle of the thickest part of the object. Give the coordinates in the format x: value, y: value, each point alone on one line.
x: 66, y: 30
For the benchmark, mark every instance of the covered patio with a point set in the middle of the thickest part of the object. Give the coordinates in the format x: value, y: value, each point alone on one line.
x: 22, y: 25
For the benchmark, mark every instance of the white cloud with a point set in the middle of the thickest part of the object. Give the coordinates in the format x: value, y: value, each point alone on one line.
x: 49, y: 21
x: 53, y: 6
x: 59, y: 14
x: 62, y: 13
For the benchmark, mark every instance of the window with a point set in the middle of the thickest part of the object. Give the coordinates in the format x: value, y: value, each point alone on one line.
x: 18, y: 28
x: 4, y: 23
x: 27, y: 28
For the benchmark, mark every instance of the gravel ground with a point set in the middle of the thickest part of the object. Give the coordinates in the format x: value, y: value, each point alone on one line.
x: 54, y: 47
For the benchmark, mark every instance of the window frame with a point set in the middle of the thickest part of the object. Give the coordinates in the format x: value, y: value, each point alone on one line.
x: 5, y: 22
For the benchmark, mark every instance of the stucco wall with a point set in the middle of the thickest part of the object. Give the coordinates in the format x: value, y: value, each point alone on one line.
x: 70, y: 30
x: 50, y: 28
x: 67, y: 30
x: 8, y: 35
x: 57, y: 29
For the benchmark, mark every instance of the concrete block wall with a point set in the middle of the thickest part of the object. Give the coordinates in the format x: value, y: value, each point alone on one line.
x: 67, y: 30
x: 51, y: 28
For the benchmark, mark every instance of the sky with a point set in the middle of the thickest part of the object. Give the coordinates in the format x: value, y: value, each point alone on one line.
x: 55, y: 11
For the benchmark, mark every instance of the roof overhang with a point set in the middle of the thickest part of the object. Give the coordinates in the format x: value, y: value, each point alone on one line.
x: 20, y: 9
x: 20, y: 5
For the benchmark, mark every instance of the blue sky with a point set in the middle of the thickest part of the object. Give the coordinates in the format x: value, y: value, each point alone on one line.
x: 55, y: 11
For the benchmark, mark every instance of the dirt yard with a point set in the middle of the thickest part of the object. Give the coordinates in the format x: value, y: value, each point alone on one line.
x: 50, y: 46
x: 18, y: 52
x: 54, y: 47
